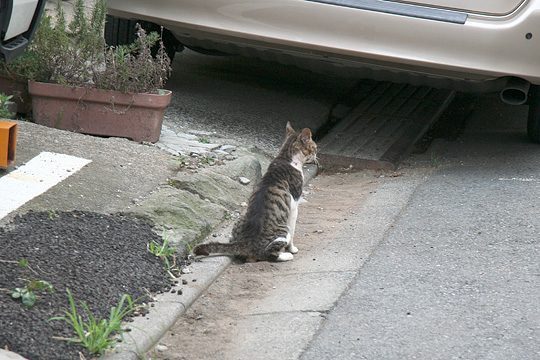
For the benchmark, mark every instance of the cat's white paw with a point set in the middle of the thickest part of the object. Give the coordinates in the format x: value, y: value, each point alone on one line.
x: 292, y: 249
x: 285, y: 256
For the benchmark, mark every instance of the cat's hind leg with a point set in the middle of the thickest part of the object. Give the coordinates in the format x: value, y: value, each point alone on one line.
x: 277, y: 245
x: 274, y: 250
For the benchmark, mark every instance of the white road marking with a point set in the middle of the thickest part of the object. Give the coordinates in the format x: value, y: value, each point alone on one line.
x: 35, y: 177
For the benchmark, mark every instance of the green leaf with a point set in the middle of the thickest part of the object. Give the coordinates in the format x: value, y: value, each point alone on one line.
x: 28, y: 298
x: 23, y: 263
x: 17, y: 293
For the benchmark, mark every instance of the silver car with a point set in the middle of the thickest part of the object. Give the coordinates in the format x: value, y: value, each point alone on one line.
x: 467, y: 45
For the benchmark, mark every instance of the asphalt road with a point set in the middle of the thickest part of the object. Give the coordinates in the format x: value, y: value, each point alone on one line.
x: 456, y: 276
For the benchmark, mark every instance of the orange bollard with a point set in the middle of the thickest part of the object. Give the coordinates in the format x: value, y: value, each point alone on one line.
x: 8, y: 143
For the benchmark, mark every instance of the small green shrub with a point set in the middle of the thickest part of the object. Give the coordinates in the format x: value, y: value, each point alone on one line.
x: 24, y: 67
x: 28, y: 295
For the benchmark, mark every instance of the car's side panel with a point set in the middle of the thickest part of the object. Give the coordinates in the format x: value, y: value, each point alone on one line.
x: 482, y: 48
x: 397, y: 8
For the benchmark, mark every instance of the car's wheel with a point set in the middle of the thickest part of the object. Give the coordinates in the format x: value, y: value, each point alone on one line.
x: 120, y: 31
x: 533, y: 122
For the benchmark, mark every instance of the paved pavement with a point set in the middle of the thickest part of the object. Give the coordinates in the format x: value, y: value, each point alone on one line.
x: 456, y: 276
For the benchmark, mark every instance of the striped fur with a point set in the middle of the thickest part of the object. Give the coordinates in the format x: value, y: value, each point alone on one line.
x: 266, y: 230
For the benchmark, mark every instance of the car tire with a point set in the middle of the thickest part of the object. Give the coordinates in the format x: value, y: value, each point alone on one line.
x: 120, y: 31
x: 533, y: 122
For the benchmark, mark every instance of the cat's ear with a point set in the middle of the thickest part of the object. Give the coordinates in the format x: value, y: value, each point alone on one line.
x: 305, y: 135
x: 289, y: 130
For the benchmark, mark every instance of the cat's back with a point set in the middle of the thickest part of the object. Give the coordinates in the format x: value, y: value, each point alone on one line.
x: 270, y: 200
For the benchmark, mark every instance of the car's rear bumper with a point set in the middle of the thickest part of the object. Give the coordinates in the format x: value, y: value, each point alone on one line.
x: 482, y: 49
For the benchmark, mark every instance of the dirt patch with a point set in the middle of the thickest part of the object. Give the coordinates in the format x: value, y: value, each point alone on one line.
x: 98, y: 257
x: 211, y: 325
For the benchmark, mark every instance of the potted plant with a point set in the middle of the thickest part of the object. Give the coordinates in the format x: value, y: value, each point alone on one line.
x: 84, y: 86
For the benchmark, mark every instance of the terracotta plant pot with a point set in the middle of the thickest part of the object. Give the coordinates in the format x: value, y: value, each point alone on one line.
x: 99, y: 112
x: 19, y: 90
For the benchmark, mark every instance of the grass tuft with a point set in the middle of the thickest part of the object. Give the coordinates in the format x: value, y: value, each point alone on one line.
x: 165, y: 252
x: 95, y: 334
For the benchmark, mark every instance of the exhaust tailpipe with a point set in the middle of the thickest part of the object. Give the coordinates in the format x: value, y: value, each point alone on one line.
x: 515, y: 92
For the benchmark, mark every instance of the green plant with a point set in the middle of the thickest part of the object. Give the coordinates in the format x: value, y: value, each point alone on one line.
x: 133, y: 68
x: 181, y: 162
x: 204, y: 140
x: 52, y: 214
x: 69, y: 53
x: 207, y: 160
x: 24, y: 67
x: 23, y: 263
x: 28, y: 295
x: 75, y: 54
x: 95, y: 334
x: 5, y: 101
x: 164, y: 251
x: 189, y: 247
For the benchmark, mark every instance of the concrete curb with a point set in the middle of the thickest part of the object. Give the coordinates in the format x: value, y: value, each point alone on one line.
x: 145, y: 332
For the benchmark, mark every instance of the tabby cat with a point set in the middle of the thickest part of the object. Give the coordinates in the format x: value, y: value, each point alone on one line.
x: 266, y: 230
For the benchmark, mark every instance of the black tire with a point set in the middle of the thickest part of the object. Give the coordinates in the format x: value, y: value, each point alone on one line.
x: 533, y: 122
x: 120, y: 31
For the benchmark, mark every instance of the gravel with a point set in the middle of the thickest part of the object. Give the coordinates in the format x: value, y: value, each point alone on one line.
x: 98, y: 257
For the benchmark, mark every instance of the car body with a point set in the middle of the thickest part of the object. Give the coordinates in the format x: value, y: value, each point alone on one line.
x: 467, y: 45
x: 18, y: 22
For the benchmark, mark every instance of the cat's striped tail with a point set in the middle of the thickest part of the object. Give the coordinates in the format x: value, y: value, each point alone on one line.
x: 218, y: 248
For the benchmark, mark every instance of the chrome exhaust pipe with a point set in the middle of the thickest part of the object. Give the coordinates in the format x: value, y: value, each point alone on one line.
x: 516, y: 91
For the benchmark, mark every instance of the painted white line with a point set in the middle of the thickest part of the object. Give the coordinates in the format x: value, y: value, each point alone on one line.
x: 34, y: 178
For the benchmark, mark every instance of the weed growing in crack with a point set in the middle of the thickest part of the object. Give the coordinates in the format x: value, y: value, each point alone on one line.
x: 204, y: 140
x: 52, y: 214
x: 181, y: 161
x: 95, y: 334
x: 189, y: 247
x: 165, y: 252
x: 27, y: 294
x: 207, y: 160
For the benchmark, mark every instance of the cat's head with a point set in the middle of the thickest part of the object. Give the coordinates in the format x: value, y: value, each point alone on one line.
x: 302, y: 143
